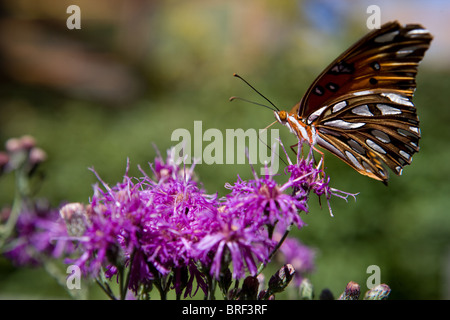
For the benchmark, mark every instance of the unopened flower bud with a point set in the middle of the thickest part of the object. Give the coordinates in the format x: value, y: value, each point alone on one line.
x: 249, y: 289
x: 16, y: 144
x: 226, y: 278
x: 37, y: 155
x: 13, y: 145
x: 379, y: 292
x: 76, y: 218
x: 4, y: 159
x: 306, y: 289
x: 27, y: 142
x: 326, y: 294
x: 352, y: 291
x: 280, y: 280
x: 261, y: 280
x: 265, y: 295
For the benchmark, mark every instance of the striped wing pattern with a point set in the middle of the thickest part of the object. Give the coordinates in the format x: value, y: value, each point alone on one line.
x: 361, y: 105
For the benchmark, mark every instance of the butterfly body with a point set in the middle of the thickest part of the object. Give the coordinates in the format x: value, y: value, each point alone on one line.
x: 360, y: 108
x: 297, y: 126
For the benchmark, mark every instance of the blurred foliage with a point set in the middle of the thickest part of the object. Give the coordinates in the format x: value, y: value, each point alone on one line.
x: 138, y: 70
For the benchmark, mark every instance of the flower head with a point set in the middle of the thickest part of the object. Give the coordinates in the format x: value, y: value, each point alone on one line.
x: 167, y: 229
x: 306, y: 177
x: 300, y: 256
x: 234, y: 241
x: 39, y: 235
x: 263, y: 201
x: 151, y: 224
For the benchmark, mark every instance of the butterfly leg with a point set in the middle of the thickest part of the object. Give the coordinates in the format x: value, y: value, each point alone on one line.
x: 299, y: 145
x: 322, y: 155
x: 296, y: 148
x: 322, y: 160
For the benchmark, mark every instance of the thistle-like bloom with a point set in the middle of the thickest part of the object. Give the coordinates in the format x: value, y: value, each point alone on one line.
x: 262, y: 201
x: 307, y: 177
x: 31, y: 231
x: 39, y: 235
x: 168, y: 231
x: 235, y: 242
x: 150, y: 224
x: 300, y: 256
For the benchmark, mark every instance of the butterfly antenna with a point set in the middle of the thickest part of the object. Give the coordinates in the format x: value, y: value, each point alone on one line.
x: 252, y: 102
x: 259, y: 104
x: 254, y: 89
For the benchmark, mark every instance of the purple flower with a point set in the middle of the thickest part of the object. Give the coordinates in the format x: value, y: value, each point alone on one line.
x: 262, y: 201
x: 169, y: 232
x: 148, y: 224
x: 306, y: 177
x: 39, y: 234
x: 300, y: 256
x: 238, y: 243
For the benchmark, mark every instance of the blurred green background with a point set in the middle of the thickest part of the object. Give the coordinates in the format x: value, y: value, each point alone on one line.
x: 137, y: 70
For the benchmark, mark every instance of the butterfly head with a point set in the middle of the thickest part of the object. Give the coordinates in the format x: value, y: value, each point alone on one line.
x: 281, y: 116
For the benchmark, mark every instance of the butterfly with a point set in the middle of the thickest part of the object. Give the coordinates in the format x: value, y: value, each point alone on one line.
x: 360, y: 107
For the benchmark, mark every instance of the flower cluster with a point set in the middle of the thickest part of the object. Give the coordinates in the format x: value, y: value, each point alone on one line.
x: 30, y: 230
x: 38, y: 236
x: 164, y: 231
x: 170, y: 234
x: 300, y: 256
x: 21, y: 153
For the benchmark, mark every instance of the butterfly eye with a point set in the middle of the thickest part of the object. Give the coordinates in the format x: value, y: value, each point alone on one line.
x: 281, y: 116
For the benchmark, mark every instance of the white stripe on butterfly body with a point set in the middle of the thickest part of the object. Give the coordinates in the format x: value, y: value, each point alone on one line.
x: 297, y: 127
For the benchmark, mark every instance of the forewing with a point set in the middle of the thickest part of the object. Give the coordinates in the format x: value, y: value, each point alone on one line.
x: 385, y: 59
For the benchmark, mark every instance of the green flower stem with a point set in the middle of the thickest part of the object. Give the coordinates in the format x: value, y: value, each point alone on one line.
x: 124, y: 288
x: 22, y: 192
x: 262, y: 266
x: 105, y: 287
x: 55, y: 272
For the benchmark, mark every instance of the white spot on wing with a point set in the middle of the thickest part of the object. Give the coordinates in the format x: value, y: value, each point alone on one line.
x: 375, y: 146
x: 398, y: 99
x: 344, y: 124
x: 362, y: 111
x: 388, y: 110
x: 414, y: 129
x: 405, y: 51
x: 329, y: 132
x: 356, y: 146
x: 367, y: 166
x: 353, y: 160
x: 313, y: 116
x: 362, y: 93
x: 415, y: 32
x: 329, y: 146
x: 387, y: 37
x: 339, y: 106
x: 380, y: 135
x: 405, y: 154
